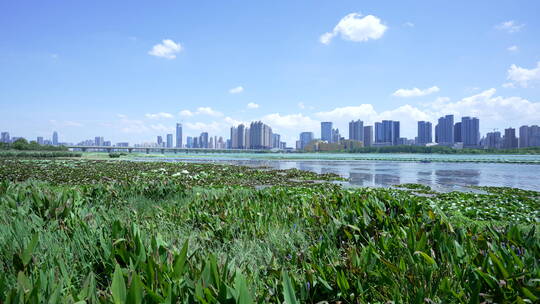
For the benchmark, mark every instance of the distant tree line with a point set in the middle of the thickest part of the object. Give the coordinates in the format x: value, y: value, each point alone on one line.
x: 22, y: 144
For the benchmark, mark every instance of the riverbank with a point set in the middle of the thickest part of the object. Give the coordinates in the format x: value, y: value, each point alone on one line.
x: 190, y: 232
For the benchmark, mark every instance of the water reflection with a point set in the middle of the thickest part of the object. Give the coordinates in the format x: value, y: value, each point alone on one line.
x: 438, y: 175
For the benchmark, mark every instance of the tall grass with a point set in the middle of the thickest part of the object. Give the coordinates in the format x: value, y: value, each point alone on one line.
x: 164, y: 242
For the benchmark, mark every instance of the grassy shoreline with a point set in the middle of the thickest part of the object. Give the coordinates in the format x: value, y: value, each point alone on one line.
x: 123, y: 231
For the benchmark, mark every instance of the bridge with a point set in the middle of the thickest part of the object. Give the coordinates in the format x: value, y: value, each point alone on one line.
x: 163, y: 150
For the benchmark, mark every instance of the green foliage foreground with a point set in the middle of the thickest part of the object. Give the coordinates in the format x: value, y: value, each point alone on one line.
x: 198, y: 237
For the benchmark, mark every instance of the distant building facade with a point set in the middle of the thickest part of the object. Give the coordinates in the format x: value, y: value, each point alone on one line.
x: 356, y: 130
x: 178, y: 135
x: 305, y: 139
x: 368, y: 136
x: 470, y: 132
x: 326, y: 131
x: 444, y: 130
x: 510, y: 140
x: 424, y: 133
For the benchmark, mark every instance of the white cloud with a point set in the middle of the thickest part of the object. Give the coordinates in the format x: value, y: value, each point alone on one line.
x: 167, y: 49
x: 238, y: 89
x: 512, y: 48
x: 186, y: 113
x: 158, y: 115
x: 355, y: 28
x: 161, y: 128
x: 295, y: 121
x: 508, y: 85
x: 408, y: 24
x: 415, y: 92
x: 206, y: 127
x: 301, y: 105
x: 208, y: 111
x: 524, y: 77
x: 510, y: 26
x: 252, y: 105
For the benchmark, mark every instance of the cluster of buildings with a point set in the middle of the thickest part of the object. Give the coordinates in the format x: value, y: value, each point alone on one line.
x: 462, y: 134
x: 259, y: 136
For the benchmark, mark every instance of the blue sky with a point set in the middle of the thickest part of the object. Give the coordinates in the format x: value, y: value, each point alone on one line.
x: 129, y: 70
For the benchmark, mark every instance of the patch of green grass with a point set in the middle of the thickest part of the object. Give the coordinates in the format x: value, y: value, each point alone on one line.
x: 128, y: 232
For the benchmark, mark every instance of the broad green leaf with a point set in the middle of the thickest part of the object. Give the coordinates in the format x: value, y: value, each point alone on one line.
x: 29, y: 250
x: 288, y: 289
x: 118, y: 287
x: 135, y: 294
x: 426, y: 257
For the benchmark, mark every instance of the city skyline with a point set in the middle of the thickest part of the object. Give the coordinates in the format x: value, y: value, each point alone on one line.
x: 290, y: 65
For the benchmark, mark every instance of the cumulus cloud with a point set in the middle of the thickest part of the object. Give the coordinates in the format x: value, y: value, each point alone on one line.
x: 524, y: 77
x: 252, y: 105
x: 158, y: 115
x: 236, y: 90
x: 206, y: 127
x: 167, y: 49
x: 208, y: 111
x: 512, y: 48
x: 354, y: 27
x: 294, y: 121
x: 510, y: 26
x: 186, y: 113
x: 415, y: 92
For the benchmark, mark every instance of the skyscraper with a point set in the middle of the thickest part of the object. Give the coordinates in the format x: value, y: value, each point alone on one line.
x: 276, y: 139
x: 444, y: 131
x: 305, y: 139
x: 260, y: 136
x: 169, y: 140
x: 368, y: 136
x: 523, y: 136
x: 510, y: 140
x: 470, y: 132
x: 159, y: 141
x: 326, y: 131
x: 4, y: 137
x: 55, y: 138
x: 457, y: 132
x: 98, y: 141
x: 534, y: 136
x: 424, y: 133
x: 395, y: 133
x: 379, y: 135
x: 40, y: 140
x: 189, y: 142
x: 179, y: 135
x: 493, y: 140
x: 356, y: 130
x: 203, y: 140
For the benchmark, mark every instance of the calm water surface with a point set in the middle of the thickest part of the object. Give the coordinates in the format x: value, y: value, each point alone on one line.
x: 442, y: 176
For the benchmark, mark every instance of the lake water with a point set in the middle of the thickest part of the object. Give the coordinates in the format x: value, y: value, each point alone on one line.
x: 441, y: 176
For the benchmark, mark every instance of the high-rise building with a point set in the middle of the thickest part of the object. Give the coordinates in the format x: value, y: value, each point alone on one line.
x: 368, y: 136
x: 387, y: 132
x: 524, y: 136
x: 326, y: 131
x: 379, y: 135
x: 356, y: 130
x: 276, y: 139
x: 470, y: 132
x: 457, y: 132
x: 98, y: 141
x: 169, y: 140
x: 424, y: 133
x: 336, y: 137
x: 55, y: 138
x: 534, y: 136
x: 179, y: 135
x: 493, y: 140
x: 203, y: 140
x: 40, y: 140
x: 444, y: 131
x: 189, y: 142
x: 159, y: 141
x: 305, y: 139
x: 4, y: 137
x: 260, y: 136
x: 510, y: 140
